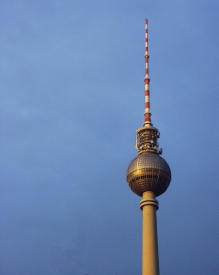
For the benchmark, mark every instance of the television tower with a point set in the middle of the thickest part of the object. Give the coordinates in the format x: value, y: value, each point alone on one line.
x: 148, y: 176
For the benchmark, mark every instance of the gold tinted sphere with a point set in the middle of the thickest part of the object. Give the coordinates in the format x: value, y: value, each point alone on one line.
x: 148, y: 172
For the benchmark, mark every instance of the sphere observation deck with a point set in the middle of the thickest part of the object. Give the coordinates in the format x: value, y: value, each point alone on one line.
x: 148, y: 172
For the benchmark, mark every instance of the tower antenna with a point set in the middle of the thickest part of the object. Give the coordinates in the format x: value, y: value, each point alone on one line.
x: 147, y: 114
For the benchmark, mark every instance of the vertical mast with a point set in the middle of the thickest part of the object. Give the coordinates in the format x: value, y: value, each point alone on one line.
x: 146, y: 137
x: 147, y: 114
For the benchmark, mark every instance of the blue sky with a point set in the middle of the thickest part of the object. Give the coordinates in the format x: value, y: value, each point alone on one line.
x: 72, y: 97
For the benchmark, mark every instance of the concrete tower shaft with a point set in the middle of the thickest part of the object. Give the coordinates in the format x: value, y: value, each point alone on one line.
x: 150, y: 259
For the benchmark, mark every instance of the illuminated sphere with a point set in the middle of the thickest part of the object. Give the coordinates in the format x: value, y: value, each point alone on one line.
x: 148, y: 172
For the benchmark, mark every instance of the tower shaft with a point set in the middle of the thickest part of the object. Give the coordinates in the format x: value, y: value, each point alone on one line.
x: 150, y: 260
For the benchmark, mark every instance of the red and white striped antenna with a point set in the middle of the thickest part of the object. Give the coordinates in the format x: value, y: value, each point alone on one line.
x: 147, y: 114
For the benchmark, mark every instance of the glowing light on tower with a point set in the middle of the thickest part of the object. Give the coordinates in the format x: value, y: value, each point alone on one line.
x: 148, y: 176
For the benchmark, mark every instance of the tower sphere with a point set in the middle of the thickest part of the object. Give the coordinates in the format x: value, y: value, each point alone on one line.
x: 148, y: 172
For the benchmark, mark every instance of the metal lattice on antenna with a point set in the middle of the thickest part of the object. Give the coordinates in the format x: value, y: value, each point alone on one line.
x: 147, y: 114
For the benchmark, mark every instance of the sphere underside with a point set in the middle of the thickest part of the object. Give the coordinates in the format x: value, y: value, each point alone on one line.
x: 148, y: 172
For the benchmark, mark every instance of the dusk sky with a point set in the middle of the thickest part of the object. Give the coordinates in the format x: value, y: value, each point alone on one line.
x: 72, y: 97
